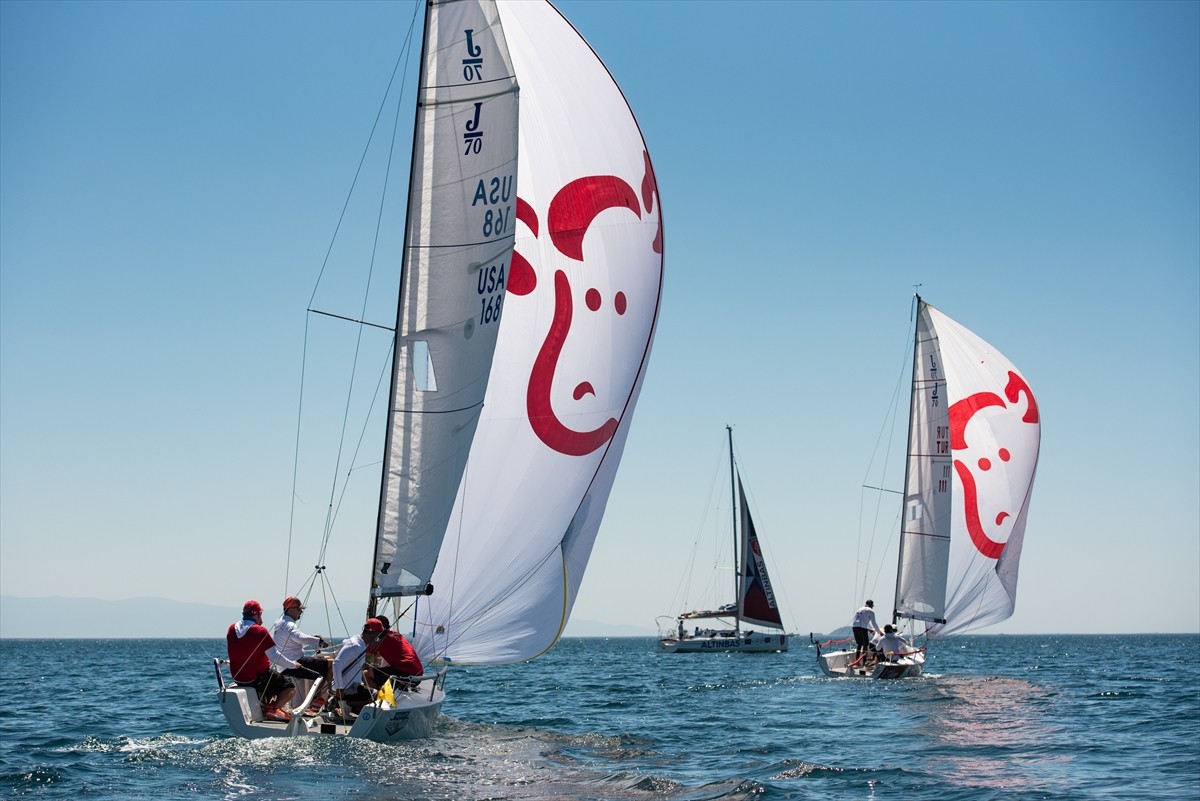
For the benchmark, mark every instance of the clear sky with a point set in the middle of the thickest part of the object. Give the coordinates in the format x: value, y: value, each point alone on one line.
x: 171, y: 175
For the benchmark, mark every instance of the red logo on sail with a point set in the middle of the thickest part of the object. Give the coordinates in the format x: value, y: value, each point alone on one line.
x: 961, y: 414
x: 571, y: 213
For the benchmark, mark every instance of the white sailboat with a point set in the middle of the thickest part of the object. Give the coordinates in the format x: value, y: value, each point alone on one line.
x: 505, y: 430
x: 754, y: 601
x: 973, y: 439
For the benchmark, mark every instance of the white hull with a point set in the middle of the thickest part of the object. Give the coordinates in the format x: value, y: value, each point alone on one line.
x: 752, y: 642
x: 841, y: 664
x: 412, y: 717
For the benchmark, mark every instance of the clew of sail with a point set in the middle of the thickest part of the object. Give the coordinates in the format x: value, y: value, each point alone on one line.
x: 458, y: 247
x: 974, y: 439
x: 580, y: 311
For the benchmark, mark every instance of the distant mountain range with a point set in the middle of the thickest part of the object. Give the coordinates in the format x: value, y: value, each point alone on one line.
x: 72, y: 618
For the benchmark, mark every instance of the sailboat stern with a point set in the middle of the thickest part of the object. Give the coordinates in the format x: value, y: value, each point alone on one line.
x: 412, y: 717
x: 850, y: 665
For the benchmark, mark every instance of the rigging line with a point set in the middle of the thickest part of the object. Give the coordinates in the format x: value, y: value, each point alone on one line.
x: 684, y: 590
x: 889, y: 421
x: 351, y: 319
x: 896, y: 524
x: 404, y: 50
x: 358, y: 339
x: 296, y: 459
x: 363, y: 313
x: 338, y: 607
x: 357, y: 449
x: 382, y: 203
x: 433, y: 645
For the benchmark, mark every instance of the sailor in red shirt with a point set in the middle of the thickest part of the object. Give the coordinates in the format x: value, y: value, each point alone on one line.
x: 251, y: 648
x: 402, y: 660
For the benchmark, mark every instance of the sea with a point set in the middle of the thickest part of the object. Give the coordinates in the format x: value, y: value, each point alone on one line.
x: 994, y: 717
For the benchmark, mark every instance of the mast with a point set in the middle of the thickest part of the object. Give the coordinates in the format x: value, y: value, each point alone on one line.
x: 907, y: 460
x: 372, y: 600
x: 733, y: 507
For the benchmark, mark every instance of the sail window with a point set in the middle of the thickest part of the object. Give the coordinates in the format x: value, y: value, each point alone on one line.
x: 422, y: 365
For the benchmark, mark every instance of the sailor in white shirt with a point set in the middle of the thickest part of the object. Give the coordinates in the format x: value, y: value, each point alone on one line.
x: 891, y: 645
x: 348, y: 666
x: 864, y: 623
x: 290, y: 643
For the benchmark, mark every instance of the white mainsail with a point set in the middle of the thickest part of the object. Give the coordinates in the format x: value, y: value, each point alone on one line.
x: 975, y: 432
x: 458, y: 247
x: 580, y: 310
x: 925, y: 530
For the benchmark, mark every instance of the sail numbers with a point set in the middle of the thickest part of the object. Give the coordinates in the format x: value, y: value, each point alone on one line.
x: 494, y: 195
x: 491, y: 292
x: 473, y: 63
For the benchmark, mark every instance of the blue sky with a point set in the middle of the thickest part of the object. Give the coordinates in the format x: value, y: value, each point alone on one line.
x: 171, y: 175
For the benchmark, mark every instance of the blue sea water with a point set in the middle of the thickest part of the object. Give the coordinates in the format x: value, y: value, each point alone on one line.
x: 996, y: 717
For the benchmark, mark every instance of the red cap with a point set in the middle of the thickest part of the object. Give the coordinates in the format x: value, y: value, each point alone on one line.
x: 252, y: 608
x: 373, y: 624
x: 291, y: 601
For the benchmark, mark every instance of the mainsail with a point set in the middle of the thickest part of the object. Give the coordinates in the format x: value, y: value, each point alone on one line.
x: 974, y: 435
x: 458, y: 247
x: 580, y: 310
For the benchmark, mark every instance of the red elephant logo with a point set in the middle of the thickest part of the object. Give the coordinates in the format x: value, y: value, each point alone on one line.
x: 961, y: 413
x: 571, y: 212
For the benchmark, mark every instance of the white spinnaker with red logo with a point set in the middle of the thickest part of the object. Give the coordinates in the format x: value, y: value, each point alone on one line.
x: 992, y: 435
x: 578, y: 322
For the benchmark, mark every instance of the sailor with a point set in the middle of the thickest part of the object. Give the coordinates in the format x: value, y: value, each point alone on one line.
x: 251, y: 652
x: 348, y: 666
x: 864, y: 623
x: 290, y: 642
x: 891, y: 645
x: 401, y: 658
